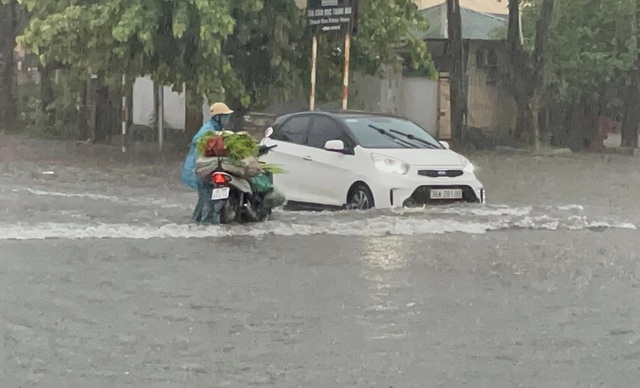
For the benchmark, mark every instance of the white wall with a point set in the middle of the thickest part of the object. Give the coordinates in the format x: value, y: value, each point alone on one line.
x: 420, y: 102
x: 415, y: 98
x: 143, y: 109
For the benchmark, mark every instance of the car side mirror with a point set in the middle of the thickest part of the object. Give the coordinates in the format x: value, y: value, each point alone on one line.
x: 268, y: 132
x: 335, y: 146
x: 445, y: 144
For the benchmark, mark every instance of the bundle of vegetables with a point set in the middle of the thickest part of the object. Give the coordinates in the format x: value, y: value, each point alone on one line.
x: 210, y: 144
x: 237, y: 145
x: 240, y: 153
x: 240, y: 145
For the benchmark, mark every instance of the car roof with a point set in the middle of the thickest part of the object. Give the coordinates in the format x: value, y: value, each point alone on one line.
x: 362, y: 113
x: 340, y: 114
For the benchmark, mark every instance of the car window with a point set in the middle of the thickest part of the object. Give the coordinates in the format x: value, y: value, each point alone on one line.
x: 294, y: 130
x: 324, y: 129
x: 399, y: 133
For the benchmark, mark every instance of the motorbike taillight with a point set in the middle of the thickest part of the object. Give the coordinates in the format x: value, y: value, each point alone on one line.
x: 219, y: 179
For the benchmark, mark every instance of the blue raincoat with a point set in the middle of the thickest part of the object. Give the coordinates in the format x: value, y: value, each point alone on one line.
x: 205, y: 211
x: 188, y: 176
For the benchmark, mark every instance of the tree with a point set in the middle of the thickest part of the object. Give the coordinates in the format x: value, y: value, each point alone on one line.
x: 528, y: 70
x: 594, y: 48
x: 246, y: 51
x: 9, y: 10
x: 632, y: 95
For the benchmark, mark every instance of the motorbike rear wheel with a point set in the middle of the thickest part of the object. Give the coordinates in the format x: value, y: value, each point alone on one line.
x: 230, y: 212
x: 264, y: 215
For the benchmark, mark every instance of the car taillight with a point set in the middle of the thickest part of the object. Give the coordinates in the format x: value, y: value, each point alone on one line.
x: 219, y: 179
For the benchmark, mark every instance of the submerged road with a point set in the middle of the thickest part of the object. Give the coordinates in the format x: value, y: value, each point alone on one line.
x: 105, y: 283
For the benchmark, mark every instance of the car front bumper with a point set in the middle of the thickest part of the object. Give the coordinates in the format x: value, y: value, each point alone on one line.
x: 411, y: 191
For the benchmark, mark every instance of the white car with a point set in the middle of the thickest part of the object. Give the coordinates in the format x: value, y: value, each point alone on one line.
x: 363, y: 160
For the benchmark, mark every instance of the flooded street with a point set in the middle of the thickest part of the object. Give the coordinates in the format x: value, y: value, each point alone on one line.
x: 106, y: 283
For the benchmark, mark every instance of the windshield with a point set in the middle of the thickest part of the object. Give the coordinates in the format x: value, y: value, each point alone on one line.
x: 368, y: 134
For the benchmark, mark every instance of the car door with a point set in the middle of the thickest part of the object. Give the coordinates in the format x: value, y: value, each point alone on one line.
x: 291, y: 138
x: 333, y: 172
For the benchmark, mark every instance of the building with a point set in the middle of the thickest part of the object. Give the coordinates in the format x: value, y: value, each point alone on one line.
x: 490, y: 105
x: 491, y: 7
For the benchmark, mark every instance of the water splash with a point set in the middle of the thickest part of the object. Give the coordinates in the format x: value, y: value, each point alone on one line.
x: 376, y: 226
x: 116, y: 221
x: 155, y: 202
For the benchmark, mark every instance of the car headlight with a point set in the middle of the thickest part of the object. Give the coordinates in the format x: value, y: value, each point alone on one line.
x: 467, y: 166
x: 389, y: 164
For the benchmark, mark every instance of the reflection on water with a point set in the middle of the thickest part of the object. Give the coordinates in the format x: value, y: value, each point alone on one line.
x: 384, y: 254
x: 384, y: 264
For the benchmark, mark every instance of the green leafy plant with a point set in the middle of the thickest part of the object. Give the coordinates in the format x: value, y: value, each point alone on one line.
x: 240, y: 145
x: 272, y: 168
x: 249, y: 52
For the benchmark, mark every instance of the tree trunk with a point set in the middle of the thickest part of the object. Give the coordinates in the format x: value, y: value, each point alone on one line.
x: 236, y: 122
x: 559, y: 126
x: 513, y: 34
x: 8, y: 33
x: 631, y: 112
x: 524, y: 117
x: 540, y: 63
x: 83, y: 114
x: 585, y: 125
x: 156, y: 112
x: 129, y: 94
x: 101, y: 113
x: 534, y: 113
x: 520, y: 74
x: 528, y: 72
x: 194, y: 116
x: 632, y: 95
x: 573, y: 126
x: 47, y: 95
x: 576, y: 126
x: 457, y: 72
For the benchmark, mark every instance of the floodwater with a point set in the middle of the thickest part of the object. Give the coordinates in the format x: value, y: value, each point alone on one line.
x: 105, y: 282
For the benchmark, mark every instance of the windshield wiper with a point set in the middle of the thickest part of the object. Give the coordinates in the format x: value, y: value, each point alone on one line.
x: 397, y: 139
x: 411, y: 137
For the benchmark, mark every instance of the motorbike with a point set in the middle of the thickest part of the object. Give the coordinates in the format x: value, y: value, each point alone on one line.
x: 237, y: 200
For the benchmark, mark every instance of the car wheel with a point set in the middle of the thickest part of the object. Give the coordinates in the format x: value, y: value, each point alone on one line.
x: 360, y: 197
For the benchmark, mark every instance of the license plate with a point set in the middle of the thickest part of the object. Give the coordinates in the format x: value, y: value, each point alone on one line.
x: 446, y: 194
x: 220, y: 193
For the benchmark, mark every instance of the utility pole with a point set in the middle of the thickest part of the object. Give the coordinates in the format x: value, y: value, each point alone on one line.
x: 314, y: 62
x: 345, y: 81
x: 457, y: 72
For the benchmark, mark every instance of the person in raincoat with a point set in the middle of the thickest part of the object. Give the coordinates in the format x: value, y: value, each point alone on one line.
x: 204, y: 211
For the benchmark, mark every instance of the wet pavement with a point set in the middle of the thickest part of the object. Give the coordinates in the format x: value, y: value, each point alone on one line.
x: 106, y: 283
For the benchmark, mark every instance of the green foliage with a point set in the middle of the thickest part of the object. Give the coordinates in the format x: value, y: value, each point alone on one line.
x: 499, y: 33
x: 60, y: 120
x: 386, y: 26
x: 37, y: 122
x: 252, y: 51
x: 592, y: 44
x: 240, y: 145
